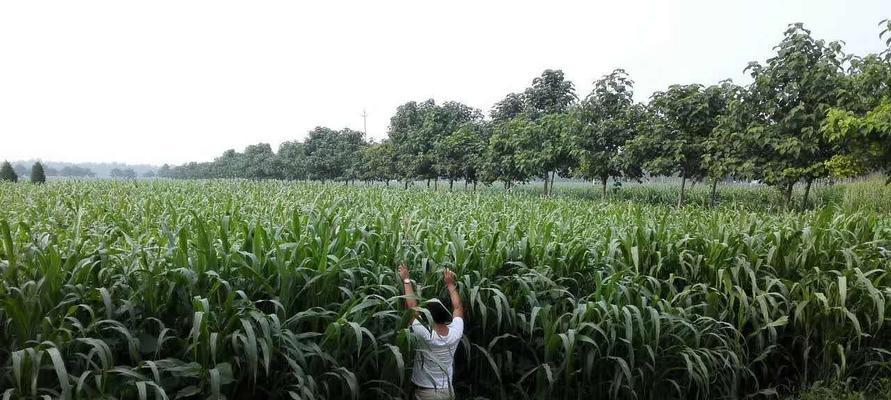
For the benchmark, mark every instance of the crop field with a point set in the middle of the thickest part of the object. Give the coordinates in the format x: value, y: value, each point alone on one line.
x: 239, y: 289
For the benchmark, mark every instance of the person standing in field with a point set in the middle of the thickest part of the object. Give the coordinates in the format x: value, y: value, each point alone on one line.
x: 434, y: 361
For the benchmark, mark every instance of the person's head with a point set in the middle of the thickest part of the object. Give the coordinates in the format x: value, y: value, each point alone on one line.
x: 439, y: 311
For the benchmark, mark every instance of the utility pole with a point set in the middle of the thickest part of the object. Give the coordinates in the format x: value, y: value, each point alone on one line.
x: 364, y: 122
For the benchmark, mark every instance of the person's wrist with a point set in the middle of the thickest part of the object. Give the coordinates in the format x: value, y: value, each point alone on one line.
x: 406, y: 280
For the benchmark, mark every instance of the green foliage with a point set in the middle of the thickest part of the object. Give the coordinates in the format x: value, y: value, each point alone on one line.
x: 126, y: 173
x: 550, y: 93
x: 866, y: 139
x: 333, y: 154
x: 378, y: 162
x: 811, y: 112
x: 460, y: 154
x: 259, y: 161
x: 291, y: 161
x: 606, y: 120
x: 845, y: 166
x: 278, y: 290
x: 75, y: 171
x: 682, y: 123
x: 792, y: 93
x: 836, y: 390
x: 502, y: 162
x: 416, y: 131
x: 37, y: 173
x: 7, y: 173
x: 510, y: 107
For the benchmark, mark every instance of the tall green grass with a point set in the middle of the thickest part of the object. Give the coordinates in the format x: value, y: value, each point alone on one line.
x: 244, y: 289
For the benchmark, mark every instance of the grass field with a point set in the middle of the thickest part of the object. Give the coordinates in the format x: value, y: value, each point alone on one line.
x: 238, y: 289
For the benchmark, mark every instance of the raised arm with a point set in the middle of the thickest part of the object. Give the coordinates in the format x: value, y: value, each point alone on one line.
x: 457, y: 307
x: 410, y: 301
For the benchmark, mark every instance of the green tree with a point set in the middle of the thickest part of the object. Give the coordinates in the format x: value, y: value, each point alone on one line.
x: 7, y: 173
x: 682, y: 119
x: 123, y: 173
x: 410, y: 148
x: 544, y: 150
x: 165, y: 171
x: 724, y: 152
x: 550, y: 93
x: 511, y: 106
x: 321, y: 154
x: 605, y: 121
x: 378, y: 163
x: 259, y: 162
x: 460, y: 153
x: 862, y: 126
x: 37, y: 173
x: 231, y: 164
x: 415, y: 131
x: 867, y: 140
x: 439, y: 123
x: 77, y: 172
x: 500, y: 160
x: 793, y: 92
x: 350, y: 144
x: 291, y: 160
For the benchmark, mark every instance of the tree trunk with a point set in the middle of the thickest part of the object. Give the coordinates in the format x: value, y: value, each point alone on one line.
x: 406, y: 184
x: 451, y: 182
x: 436, y: 184
x: 807, y: 191
x: 787, y: 196
x: 714, y: 195
x: 553, y: 175
x: 683, y: 187
x: 603, y: 180
x: 546, y: 177
x: 387, y: 182
x: 474, y: 186
x: 465, y: 184
x: 428, y: 183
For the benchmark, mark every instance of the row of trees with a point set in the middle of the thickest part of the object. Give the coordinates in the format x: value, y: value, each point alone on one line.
x: 811, y: 112
x: 70, y: 171
x: 9, y: 174
x: 39, y: 172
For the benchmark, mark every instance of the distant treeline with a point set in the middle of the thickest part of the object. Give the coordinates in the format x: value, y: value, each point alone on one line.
x: 811, y: 112
x: 86, y: 169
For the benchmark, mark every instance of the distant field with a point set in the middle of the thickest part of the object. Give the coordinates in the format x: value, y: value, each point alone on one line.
x: 861, y: 194
x: 248, y: 289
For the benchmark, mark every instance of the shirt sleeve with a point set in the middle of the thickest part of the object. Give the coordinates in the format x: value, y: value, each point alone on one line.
x: 419, y: 329
x: 456, y: 329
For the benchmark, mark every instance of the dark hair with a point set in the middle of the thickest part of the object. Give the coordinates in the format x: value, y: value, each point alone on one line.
x: 439, y: 312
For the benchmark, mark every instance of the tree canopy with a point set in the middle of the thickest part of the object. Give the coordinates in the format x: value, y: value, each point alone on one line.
x: 7, y: 173
x: 37, y: 173
x: 811, y: 112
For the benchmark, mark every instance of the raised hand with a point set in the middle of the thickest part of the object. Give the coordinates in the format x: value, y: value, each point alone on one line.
x: 449, y: 277
x: 403, y: 272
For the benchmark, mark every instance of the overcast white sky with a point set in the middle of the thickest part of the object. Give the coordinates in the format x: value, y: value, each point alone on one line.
x: 174, y: 81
